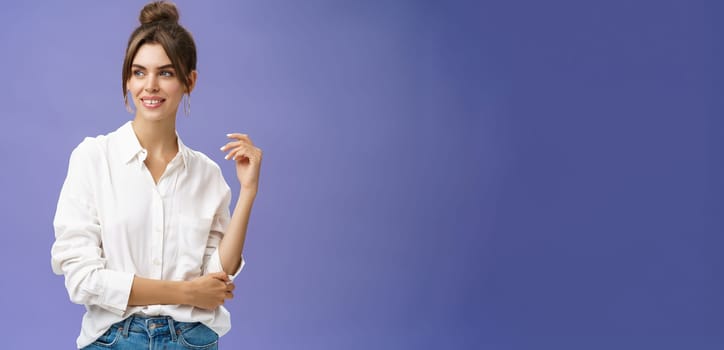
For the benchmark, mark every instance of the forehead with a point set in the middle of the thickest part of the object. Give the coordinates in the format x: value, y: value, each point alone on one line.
x: 151, y: 55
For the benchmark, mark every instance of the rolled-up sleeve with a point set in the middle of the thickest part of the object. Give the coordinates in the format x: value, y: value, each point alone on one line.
x: 77, y: 251
x: 213, y: 264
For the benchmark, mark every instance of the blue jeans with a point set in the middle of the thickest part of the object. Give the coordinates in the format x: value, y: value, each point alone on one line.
x: 161, y: 332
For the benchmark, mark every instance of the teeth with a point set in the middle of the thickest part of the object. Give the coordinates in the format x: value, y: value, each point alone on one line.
x: 152, y: 102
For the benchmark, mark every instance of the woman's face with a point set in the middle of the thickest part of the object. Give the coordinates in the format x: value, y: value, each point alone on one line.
x: 154, y: 86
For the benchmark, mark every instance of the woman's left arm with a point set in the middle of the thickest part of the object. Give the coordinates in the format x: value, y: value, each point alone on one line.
x: 247, y: 158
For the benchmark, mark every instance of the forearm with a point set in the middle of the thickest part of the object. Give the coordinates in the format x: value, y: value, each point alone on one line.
x: 232, y: 245
x: 157, y: 292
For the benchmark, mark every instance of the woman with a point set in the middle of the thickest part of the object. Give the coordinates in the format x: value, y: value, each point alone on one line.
x: 143, y: 231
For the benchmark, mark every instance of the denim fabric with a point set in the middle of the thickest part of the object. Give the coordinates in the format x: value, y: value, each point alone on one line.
x: 156, y: 333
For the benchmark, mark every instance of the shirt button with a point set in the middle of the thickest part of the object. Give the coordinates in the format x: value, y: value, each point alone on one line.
x: 157, y: 261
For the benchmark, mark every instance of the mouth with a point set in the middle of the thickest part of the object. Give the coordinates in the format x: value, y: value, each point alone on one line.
x: 152, y: 102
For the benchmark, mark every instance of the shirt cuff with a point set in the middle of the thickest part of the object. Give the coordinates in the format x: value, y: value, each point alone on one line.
x: 214, y: 264
x: 117, y: 291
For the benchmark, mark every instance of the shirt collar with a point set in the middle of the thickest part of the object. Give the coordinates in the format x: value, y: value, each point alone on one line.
x: 129, y: 146
x: 131, y: 149
x: 182, y: 150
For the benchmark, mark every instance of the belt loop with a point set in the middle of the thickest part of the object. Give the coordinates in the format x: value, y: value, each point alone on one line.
x: 127, y: 326
x: 172, y: 329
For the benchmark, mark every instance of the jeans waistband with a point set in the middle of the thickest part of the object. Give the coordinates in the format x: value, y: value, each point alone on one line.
x: 154, y: 325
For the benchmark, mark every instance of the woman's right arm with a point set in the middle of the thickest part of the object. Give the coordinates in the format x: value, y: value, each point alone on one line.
x: 77, y: 254
x: 207, y: 292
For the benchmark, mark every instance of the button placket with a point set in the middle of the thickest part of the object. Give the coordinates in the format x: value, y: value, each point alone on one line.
x: 157, y: 234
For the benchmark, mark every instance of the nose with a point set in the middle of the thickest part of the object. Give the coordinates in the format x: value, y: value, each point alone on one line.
x: 151, y: 83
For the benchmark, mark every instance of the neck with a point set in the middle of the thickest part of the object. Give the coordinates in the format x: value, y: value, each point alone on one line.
x: 157, y: 137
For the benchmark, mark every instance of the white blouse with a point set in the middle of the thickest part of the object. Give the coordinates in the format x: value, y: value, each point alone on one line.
x: 113, y: 222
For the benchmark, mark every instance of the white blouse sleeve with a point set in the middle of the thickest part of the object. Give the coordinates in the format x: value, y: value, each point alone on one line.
x: 77, y: 252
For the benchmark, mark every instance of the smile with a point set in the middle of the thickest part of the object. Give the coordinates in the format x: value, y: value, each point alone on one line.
x: 152, y: 102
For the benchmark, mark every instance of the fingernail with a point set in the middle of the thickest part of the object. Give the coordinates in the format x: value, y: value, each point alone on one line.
x: 222, y: 148
x: 228, y: 135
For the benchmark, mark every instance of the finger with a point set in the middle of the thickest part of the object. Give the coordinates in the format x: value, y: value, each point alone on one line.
x: 221, y: 281
x: 239, y: 136
x: 232, y: 153
x: 236, y: 143
x: 252, y: 153
x: 222, y: 276
x: 231, y: 144
x: 234, y: 150
x: 229, y: 295
x: 240, y: 153
x: 230, y: 287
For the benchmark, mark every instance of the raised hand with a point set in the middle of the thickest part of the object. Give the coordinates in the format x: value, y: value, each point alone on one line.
x: 247, y: 158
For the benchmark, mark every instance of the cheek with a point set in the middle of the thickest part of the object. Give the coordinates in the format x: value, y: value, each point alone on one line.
x: 175, y: 89
x: 134, y: 86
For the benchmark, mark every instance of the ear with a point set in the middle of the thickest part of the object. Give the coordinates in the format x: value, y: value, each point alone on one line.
x: 125, y: 86
x: 192, y: 81
x: 128, y: 91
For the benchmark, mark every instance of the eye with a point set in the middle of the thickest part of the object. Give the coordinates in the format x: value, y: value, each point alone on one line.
x: 138, y: 73
x: 166, y: 73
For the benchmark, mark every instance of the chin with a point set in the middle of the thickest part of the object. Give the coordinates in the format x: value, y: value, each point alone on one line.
x: 155, y: 116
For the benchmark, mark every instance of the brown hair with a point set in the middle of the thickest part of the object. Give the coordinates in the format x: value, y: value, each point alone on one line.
x: 159, y: 25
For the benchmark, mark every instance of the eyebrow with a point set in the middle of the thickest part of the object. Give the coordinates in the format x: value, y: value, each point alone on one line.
x: 162, y: 67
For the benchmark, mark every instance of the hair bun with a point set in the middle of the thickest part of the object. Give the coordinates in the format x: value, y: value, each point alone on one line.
x: 158, y: 11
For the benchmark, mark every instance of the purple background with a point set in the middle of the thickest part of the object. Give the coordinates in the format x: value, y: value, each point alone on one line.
x: 437, y: 174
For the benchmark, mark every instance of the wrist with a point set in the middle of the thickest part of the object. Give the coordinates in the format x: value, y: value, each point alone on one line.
x: 248, y: 192
x: 185, y: 293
